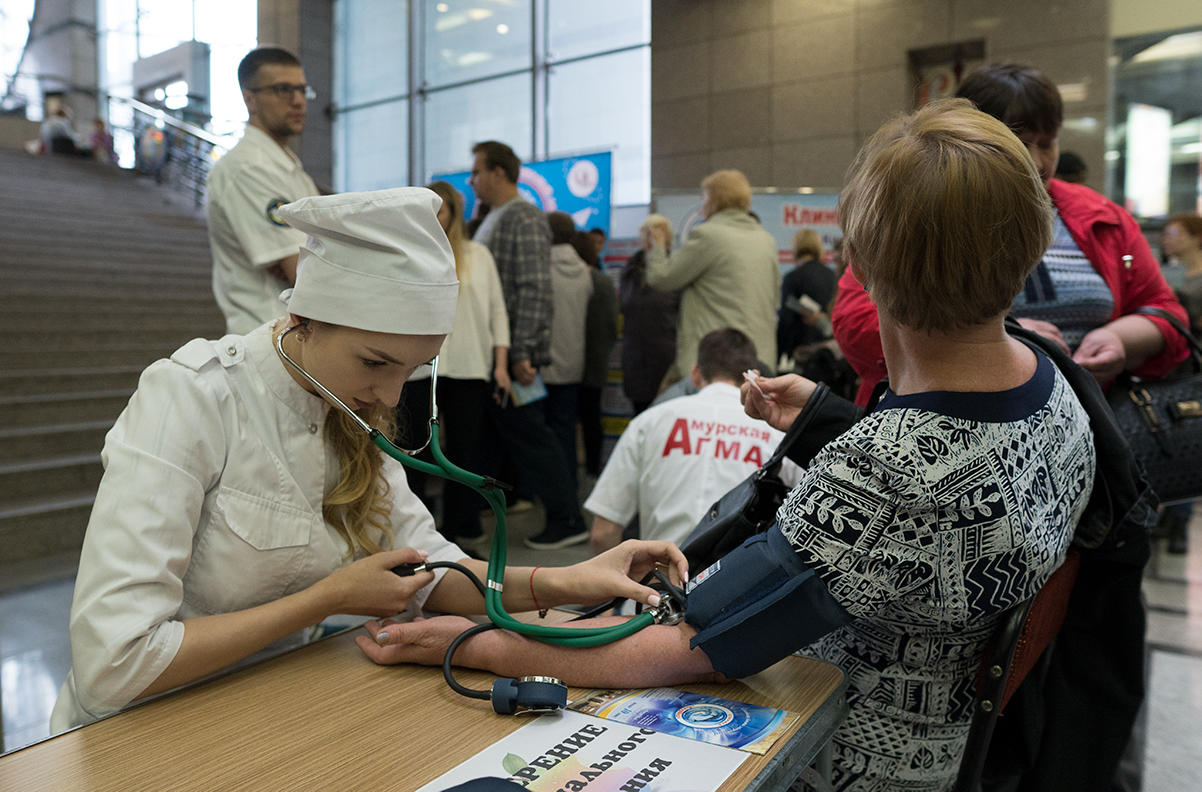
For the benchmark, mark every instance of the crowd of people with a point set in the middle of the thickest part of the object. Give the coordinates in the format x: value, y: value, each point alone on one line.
x: 238, y: 508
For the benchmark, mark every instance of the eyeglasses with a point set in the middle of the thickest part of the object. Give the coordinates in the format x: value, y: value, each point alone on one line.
x: 287, y: 90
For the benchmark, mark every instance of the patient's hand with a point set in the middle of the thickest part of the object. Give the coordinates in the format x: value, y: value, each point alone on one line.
x: 782, y: 400
x: 421, y: 641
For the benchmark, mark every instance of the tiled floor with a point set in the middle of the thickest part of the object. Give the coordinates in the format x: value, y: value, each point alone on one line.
x: 35, y: 653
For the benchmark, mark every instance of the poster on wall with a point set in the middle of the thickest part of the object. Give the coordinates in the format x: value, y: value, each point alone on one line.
x: 581, y: 186
x: 781, y: 214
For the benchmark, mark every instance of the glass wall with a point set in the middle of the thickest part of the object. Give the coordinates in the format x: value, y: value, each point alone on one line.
x: 1154, y: 153
x: 548, y: 77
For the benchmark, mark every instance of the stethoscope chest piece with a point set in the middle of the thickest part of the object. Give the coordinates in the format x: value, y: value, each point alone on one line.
x: 534, y: 694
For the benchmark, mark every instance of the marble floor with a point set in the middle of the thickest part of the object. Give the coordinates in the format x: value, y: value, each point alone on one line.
x: 35, y: 652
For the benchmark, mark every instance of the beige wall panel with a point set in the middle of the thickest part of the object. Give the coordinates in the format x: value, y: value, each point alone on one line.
x: 1076, y: 67
x: 743, y: 61
x: 814, y: 108
x: 1018, y: 24
x: 880, y: 96
x: 680, y: 72
x: 756, y: 163
x: 1136, y: 17
x: 740, y: 16
x: 680, y: 171
x: 814, y: 49
x: 886, y: 33
x: 680, y: 127
x: 676, y: 22
x: 818, y: 162
x: 787, y: 11
x: 741, y: 119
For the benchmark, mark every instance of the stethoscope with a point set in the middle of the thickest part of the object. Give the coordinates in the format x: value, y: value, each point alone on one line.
x: 531, y: 694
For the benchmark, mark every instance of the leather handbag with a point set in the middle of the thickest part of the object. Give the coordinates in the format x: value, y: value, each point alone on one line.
x: 750, y: 508
x: 1162, y: 420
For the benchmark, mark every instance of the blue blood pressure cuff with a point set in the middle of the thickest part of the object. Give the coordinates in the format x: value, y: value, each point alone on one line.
x: 757, y: 605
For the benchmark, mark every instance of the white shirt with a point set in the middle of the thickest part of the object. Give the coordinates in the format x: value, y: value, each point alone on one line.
x: 481, y: 321
x: 246, y: 186
x: 210, y: 503
x: 676, y: 459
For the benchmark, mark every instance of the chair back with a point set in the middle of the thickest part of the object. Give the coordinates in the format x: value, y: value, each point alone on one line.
x: 1017, y: 644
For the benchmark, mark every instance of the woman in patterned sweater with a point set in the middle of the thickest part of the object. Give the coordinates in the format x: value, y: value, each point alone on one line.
x: 914, y: 531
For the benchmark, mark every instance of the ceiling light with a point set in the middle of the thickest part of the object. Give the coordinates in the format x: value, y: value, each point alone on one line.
x: 502, y: 28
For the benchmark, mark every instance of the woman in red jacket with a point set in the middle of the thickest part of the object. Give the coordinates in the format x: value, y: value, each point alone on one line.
x: 1097, y: 272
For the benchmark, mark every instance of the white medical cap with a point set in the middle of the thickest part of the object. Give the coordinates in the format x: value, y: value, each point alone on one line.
x: 376, y: 261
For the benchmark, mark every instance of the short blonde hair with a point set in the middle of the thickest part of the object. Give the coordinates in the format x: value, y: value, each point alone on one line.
x: 806, y: 242
x: 656, y: 221
x: 727, y: 189
x: 944, y: 215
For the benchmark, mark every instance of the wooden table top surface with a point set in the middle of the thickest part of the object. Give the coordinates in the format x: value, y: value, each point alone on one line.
x: 326, y: 717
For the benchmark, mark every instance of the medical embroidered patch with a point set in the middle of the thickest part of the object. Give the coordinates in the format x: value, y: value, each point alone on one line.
x: 272, y: 214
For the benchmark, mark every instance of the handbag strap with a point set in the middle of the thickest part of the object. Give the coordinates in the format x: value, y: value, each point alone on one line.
x: 799, y: 424
x: 1176, y: 323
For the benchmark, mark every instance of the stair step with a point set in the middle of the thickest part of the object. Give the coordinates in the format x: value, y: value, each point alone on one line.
x: 65, y: 380
x: 133, y: 354
x: 135, y: 321
x: 50, y: 409
x: 44, y: 528
x: 34, y: 478
x: 69, y: 339
x: 26, y: 443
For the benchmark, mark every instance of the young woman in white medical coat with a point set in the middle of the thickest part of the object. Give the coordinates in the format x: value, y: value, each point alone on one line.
x: 238, y: 508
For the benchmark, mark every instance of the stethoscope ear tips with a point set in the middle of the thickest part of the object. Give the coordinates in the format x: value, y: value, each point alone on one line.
x: 534, y: 694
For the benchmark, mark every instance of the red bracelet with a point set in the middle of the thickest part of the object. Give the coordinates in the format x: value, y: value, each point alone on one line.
x: 542, y: 612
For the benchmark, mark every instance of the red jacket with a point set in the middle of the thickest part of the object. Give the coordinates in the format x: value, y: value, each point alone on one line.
x: 1104, y: 232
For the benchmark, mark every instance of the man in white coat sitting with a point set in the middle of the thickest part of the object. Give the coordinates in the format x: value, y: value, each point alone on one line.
x: 675, y: 459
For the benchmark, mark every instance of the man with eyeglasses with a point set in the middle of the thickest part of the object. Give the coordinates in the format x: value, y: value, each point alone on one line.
x: 254, y: 251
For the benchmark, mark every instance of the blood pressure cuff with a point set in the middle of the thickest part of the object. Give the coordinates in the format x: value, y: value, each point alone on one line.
x: 757, y: 605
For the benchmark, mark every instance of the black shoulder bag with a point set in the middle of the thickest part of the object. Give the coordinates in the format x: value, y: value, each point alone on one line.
x: 1162, y: 420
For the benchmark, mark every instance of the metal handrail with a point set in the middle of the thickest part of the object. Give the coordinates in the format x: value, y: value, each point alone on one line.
x: 172, y: 121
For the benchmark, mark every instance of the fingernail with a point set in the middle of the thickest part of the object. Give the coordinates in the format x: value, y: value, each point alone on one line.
x: 382, y: 639
x: 653, y: 600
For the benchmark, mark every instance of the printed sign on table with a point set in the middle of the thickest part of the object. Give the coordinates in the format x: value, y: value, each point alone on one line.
x: 574, y: 751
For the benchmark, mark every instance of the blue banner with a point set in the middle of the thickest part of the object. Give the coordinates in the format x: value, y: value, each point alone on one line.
x: 580, y: 186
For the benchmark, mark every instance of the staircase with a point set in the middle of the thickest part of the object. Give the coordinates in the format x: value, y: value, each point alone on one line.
x: 100, y: 275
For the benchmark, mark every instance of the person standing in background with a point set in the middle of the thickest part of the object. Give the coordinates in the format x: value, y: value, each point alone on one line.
x: 805, y: 321
x: 571, y: 289
x: 649, y: 318
x: 727, y: 271
x: 517, y: 235
x: 254, y: 250
x: 475, y: 354
x: 600, y: 335
x: 1183, y: 241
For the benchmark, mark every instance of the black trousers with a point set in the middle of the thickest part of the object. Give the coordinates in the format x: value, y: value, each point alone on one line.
x: 461, y: 409
x: 589, y: 408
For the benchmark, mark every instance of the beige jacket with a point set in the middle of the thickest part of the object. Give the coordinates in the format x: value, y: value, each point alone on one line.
x: 729, y: 273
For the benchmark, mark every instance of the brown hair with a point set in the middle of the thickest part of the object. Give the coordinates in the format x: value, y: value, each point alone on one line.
x: 498, y: 155
x: 563, y: 227
x: 1191, y: 224
x: 727, y: 189
x: 806, y: 242
x: 452, y: 199
x: 1018, y: 95
x: 725, y: 354
x: 254, y: 60
x: 944, y: 215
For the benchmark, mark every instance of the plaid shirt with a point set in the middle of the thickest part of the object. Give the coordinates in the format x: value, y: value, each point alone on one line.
x: 521, y: 245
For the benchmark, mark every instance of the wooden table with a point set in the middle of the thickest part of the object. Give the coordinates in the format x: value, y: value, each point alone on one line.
x: 324, y: 717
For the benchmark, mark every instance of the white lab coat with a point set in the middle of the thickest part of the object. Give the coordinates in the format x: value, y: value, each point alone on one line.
x: 676, y: 459
x: 210, y: 503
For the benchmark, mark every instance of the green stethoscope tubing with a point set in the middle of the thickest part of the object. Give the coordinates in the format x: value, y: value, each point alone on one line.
x: 444, y: 468
x: 559, y: 636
